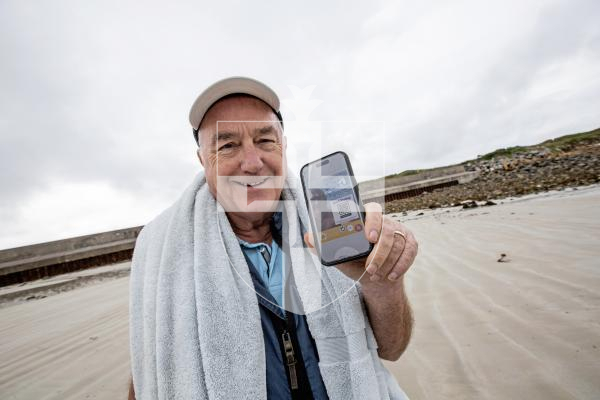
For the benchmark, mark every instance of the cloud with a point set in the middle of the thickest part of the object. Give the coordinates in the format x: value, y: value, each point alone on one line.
x: 98, y: 207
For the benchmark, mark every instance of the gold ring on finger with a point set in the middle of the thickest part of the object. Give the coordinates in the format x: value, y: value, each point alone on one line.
x: 398, y: 233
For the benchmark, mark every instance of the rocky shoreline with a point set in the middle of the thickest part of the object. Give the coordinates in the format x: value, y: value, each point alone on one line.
x: 529, y: 170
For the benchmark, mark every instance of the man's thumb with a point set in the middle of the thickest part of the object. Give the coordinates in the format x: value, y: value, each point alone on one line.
x: 310, y: 242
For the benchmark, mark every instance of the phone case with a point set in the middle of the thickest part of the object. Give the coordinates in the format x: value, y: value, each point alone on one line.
x: 360, y: 204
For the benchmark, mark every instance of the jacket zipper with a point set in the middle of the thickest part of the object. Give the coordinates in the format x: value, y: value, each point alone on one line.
x: 290, y: 358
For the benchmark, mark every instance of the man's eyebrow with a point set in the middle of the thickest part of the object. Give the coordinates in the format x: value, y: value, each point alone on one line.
x: 264, y: 130
x: 224, y: 135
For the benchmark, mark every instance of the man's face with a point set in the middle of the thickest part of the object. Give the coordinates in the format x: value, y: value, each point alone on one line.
x: 243, y: 161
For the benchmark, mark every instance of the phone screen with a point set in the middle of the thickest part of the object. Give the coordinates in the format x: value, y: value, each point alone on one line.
x: 335, y: 209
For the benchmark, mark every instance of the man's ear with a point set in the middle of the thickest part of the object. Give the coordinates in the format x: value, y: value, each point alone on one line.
x: 284, y: 141
x: 199, y: 154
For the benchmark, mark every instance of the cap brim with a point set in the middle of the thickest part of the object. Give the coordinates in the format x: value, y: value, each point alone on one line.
x: 228, y: 86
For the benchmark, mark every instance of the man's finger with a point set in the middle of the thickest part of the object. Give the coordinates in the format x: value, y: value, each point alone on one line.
x: 395, y: 252
x: 406, y: 258
x: 310, y: 242
x: 373, y: 221
x: 377, y: 261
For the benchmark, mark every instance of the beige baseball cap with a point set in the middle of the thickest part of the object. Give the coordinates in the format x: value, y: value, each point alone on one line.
x: 226, y: 87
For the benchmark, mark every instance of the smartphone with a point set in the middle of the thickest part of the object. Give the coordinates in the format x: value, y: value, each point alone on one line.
x: 335, y: 210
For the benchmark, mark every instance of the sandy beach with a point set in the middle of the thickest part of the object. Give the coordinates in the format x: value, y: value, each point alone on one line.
x: 524, y: 328
x: 72, y: 345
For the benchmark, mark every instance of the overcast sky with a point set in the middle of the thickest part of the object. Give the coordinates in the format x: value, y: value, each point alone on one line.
x: 95, y: 96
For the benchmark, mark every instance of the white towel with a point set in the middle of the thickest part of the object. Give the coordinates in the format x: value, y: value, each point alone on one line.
x: 195, y: 326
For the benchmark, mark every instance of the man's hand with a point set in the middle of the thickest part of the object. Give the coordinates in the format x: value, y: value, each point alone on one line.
x: 383, y: 284
x: 394, y: 251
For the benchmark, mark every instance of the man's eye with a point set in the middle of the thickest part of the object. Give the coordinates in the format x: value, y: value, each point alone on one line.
x: 266, y: 141
x: 226, y: 146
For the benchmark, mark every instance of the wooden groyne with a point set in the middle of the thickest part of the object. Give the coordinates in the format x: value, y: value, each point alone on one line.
x: 26, y: 263
x: 414, y: 186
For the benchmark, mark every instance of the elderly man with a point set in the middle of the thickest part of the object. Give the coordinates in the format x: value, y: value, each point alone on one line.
x: 215, y: 277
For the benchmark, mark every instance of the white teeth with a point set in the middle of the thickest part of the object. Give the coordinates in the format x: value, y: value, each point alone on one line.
x: 251, y: 183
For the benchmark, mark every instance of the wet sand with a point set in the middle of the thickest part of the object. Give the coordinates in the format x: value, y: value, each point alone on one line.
x: 528, y: 328
x: 72, y: 345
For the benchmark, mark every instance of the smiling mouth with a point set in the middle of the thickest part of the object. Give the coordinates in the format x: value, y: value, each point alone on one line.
x: 252, y: 184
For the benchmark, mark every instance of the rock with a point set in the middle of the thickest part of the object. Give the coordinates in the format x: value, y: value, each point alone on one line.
x: 468, y: 204
x: 503, y: 258
x: 534, y: 170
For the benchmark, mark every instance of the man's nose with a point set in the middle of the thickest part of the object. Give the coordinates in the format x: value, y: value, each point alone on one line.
x: 251, y: 161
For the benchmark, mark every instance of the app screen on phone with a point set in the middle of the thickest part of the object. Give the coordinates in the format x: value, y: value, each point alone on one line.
x: 335, y: 210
